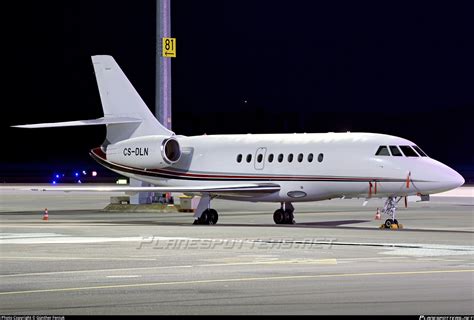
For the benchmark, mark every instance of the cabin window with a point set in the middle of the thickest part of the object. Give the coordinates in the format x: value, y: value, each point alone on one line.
x: 290, y: 157
x: 300, y: 157
x: 280, y: 157
x: 249, y: 158
x: 310, y: 157
x: 395, y: 151
x: 420, y: 152
x: 320, y: 157
x: 239, y: 158
x: 259, y: 158
x: 408, y: 151
x: 270, y: 157
x: 382, y: 151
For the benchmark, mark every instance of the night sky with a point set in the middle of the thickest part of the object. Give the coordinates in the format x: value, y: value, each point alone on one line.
x: 401, y: 68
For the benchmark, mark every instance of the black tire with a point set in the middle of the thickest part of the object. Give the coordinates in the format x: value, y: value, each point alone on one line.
x: 388, y: 223
x: 292, y: 218
x: 204, y: 219
x: 289, y: 217
x: 213, y: 216
x: 395, y: 221
x: 279, y: 216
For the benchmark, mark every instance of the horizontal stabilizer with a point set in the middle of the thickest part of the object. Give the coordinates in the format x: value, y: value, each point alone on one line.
x: 240, y: 188
x: 93, y: 122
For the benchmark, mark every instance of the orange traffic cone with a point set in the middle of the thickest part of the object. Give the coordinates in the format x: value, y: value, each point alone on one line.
x: 45, y: 214
x: 377, y: 215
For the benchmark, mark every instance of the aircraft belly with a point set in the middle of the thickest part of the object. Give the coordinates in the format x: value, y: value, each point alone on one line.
x: 293, y: 191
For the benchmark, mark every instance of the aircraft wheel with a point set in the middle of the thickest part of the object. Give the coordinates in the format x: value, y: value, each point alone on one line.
x: 388, y: 223
x: 291, y: 218
x: 395, y: 221
x: 279, y: 216
x: 213, y: 216
x: 204, y: 219
x: 286, y: 217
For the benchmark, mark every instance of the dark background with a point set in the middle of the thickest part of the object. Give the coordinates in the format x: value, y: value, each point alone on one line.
x: 400, y: 68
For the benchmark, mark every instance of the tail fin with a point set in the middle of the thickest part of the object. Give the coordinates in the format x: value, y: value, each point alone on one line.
x: 125, y: 114
x: 120, y: 99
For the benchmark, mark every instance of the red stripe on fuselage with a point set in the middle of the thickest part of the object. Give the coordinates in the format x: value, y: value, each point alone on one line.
x: 97, y: 152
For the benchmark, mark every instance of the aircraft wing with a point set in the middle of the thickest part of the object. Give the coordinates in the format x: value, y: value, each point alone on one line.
x: 249, y: 188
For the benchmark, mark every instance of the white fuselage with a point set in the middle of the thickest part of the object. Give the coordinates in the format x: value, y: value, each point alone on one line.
x: 323, y: 166
x: 259, y: 167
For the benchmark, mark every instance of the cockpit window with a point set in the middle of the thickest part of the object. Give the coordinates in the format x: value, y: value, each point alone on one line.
x: 382, y: 151
x: 408, y: 151
x: 395, y: 151
x: 420, y: 152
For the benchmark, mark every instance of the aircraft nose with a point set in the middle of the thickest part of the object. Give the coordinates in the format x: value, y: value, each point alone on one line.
x: 458, y: 179
x: 451, y: 178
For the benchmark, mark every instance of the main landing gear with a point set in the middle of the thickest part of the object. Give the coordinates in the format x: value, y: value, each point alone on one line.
x: 204, y: 214
x: 284, y: 215
x: 208, y: 216
x: 390, y: 208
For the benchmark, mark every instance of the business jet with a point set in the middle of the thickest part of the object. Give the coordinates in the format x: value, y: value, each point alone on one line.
x: 279, y: 168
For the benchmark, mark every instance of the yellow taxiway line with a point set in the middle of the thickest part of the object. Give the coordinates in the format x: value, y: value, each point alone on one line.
x: 209, y: 281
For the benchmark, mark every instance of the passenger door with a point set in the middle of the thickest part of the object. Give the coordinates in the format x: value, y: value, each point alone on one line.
x: 259, y: 161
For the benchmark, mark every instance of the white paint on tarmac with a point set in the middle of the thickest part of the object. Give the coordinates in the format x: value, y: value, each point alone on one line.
x: 400, y: 249
x: 4, y: 236
x: 54, y: 238
x: 55, y: 273
x: 74, y: 258
x: 428, y: 252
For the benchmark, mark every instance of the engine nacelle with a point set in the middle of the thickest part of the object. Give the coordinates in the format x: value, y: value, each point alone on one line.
x: 150, y: 152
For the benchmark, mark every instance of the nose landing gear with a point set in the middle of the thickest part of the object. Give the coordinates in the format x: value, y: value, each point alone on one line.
x: 390, y: 208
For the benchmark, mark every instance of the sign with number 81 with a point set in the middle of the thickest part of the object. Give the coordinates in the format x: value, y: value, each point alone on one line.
x: 169, y: 47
